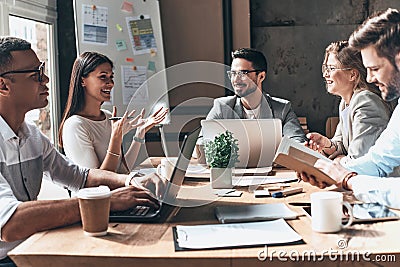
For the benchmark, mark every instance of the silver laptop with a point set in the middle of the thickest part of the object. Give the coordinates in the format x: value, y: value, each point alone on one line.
x: 257, y: 139
x: 168, y: 202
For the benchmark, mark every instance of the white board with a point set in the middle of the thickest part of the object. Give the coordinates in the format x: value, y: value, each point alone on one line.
x: 132, y: 39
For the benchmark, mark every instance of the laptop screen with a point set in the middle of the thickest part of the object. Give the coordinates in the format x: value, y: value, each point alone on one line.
x: 182, y: 163
x: 257, y: 139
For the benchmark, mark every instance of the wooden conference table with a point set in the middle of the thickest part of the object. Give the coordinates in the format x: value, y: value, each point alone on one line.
x: 135, y: 244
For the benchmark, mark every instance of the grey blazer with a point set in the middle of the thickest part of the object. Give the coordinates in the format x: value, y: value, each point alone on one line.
x: 230, y: 107
x: 368, y: 116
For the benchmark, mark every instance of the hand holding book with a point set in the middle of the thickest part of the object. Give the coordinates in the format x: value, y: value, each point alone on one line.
x: 302, y: 159
x: 334, y: 170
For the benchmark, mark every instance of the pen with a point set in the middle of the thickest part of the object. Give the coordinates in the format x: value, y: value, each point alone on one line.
x: 301, y: 204
x: 118, y: 118
x: 287, y: 192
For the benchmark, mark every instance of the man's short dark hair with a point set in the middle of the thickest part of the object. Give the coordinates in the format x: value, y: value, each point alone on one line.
x: 9, y: 44
x: 381, y: 30
x: 256, y: 57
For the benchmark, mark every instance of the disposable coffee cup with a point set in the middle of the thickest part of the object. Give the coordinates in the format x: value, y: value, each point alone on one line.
x: 94, y: 205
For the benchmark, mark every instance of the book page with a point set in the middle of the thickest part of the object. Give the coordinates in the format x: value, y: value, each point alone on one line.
x: 286, y: 147
x: 297, y: 157
x: 298, y: 165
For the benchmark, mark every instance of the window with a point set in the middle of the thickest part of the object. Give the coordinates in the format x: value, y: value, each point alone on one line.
x: 37, y: 34
x: 34, y: 21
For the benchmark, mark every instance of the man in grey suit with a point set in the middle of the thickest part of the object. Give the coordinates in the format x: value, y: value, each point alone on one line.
x: 248, y: 71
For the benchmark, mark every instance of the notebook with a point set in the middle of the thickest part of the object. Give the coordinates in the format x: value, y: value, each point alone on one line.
x: 257, y: 212
x: 166, y: 210
x: 257, y: 139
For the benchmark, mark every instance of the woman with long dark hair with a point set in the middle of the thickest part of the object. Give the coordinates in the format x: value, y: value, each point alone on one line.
x: 86, y: 134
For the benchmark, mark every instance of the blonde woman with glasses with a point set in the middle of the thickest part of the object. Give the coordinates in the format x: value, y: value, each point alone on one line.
x: 363, y: 115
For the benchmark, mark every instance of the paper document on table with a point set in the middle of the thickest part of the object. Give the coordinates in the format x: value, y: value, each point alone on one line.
x: 202, y: 171
x: 235, y: 234
x: 258, y: 180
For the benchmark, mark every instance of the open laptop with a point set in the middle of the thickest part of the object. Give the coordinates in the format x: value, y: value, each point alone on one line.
x: 167, y: 209
x: 258, y: 139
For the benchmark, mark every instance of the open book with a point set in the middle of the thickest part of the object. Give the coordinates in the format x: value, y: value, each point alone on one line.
x: 300, y: 158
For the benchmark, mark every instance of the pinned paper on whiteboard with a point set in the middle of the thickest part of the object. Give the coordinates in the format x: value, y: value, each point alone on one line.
x: 141, y: 35
x: 134, y: 86
x: 94, y: 25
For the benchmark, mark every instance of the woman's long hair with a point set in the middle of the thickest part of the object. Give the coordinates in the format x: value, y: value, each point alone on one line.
x: 83, y: 66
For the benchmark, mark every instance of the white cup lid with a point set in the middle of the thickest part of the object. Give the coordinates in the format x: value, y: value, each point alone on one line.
x: 94, y: 192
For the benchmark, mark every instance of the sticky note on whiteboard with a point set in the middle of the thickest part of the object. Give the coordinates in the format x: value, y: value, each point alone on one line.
x: 119, y: 27
x: 127, y: 6
x: 120, y: 44
x: 151, y: 66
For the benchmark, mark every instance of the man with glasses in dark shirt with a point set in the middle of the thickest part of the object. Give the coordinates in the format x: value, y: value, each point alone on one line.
x: 248, y: 71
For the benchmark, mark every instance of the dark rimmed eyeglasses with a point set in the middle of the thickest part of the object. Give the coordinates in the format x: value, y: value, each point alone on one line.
x: 241, y: 73
x: 40, y: 72
x: 329, y: 69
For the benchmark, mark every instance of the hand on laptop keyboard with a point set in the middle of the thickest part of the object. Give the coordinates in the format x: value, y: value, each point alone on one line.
x: 128, y: 197
x: 154, y: 183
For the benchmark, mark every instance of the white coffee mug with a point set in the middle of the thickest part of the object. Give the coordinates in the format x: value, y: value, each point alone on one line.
x: 327, y: 212
x: 166, y: 167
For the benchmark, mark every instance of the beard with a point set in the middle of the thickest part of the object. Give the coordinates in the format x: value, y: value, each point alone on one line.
x: 249, y: 91
x: 251, y: 88
x: 393, y: 87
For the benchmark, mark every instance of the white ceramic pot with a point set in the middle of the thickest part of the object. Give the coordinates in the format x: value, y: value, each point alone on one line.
x: 221, y: 178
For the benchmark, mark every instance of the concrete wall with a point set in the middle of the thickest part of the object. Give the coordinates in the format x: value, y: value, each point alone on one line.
x: 293, y: 35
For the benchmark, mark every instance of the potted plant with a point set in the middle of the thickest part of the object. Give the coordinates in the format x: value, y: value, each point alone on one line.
x: 221, y: 155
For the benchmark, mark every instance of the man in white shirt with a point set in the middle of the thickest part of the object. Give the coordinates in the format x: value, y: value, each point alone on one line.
x: 25, y: 153
x: 378, y: 40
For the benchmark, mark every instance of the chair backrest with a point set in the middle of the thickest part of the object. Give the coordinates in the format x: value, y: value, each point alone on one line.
x: 303, y: 123
x: 331, y: 124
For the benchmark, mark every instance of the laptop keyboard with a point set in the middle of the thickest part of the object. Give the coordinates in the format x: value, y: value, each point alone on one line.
x: 137, y: 211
